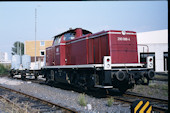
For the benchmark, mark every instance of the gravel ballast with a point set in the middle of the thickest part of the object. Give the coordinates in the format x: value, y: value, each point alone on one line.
x: 64, y: 97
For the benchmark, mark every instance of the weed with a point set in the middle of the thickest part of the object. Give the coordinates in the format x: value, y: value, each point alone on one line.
x: 150, y: 93
x: 165, y: 94
x: 164, y: 87
x: 110, y: 101
x: 81, y: 100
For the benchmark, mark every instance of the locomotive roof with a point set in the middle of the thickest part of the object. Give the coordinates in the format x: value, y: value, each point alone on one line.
x: 73, y: 30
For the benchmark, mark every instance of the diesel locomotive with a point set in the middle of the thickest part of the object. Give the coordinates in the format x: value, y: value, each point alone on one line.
x: 107, y: 59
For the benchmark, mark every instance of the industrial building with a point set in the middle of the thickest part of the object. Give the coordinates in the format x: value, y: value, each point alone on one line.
x: 3, y: 56
x: 154, y: 43
x: 29, y: 47
x: 4, y: 59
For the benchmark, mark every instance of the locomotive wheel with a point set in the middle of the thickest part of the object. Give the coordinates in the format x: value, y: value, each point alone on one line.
x: 151, y: 74
x: 120, y: 75
x: 52, y: 75
x: 123, y: 89
x: 47, y: 76
x: 47, y: 79
x: 12, y: 74
x: 36, y: 75
x: 23, y: 75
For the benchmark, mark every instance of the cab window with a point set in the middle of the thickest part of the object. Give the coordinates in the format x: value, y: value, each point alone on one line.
x: 57, y: 40
x: 69, y: 36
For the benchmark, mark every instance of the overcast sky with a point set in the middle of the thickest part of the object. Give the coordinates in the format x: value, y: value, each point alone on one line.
x: 17, y: 19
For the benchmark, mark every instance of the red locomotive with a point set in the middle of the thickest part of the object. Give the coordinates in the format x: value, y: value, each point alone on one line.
x: 107, y: 59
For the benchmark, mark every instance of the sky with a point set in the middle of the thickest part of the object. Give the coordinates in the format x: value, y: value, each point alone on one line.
x: 17, y: 19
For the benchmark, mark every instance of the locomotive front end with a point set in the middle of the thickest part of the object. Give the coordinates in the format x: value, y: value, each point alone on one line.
x: 122, y: 66
x: 124, y: 76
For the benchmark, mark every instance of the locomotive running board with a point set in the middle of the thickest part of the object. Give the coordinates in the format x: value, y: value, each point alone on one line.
x: 96, y: 65
x: 100, y: 86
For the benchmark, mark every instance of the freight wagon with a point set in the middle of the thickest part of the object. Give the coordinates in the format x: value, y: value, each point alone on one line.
x: 21, y: 65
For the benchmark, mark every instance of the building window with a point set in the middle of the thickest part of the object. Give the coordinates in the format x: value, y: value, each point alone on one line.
x: 42, y: 43
x: 143, y: 58
x: 42, y: 53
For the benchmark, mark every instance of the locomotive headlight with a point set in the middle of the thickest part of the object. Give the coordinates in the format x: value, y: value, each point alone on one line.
x: 150, y: 63
x: 107, y: 62
x: 108, y: 65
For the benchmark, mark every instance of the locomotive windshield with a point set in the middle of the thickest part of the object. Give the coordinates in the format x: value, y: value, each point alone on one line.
x: 69, y: 36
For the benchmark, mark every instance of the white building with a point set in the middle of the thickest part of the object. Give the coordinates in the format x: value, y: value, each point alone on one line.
x: 3, y: 57
x: 154, y: 43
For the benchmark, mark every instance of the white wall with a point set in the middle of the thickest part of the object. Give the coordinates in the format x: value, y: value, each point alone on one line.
x: 4, y: 57
x: 157, y: 41
x: 159, y: 50
x: 159, y: 36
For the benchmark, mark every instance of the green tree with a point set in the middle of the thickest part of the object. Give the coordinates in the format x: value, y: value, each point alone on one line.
x: 18, y: 47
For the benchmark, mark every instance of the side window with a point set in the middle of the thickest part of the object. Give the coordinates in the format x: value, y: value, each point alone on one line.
x: 69, y: 36
x: 57, y: 40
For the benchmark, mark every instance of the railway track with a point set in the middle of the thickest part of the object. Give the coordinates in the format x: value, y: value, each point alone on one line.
x: 34, y: 104
x: 158, y: 105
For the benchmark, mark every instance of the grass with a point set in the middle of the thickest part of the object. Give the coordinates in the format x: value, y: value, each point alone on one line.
x: 155, y: 89
x: 110, y: 101
x: 81, y: 100
x: 164, y: 86
x: 150, y: 92
x: 4, y: 69
x: 161, y: 77
x: 165, y: 94
x: 156, y: 86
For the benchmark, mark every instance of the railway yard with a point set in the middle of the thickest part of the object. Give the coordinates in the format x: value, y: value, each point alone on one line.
x: 36, y: 96
x: 64, y: 68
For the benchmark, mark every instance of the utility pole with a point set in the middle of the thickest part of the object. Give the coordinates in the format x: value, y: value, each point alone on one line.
x: 17, y: 48
x: 20, y: 48
x: 20, y: 54
x: 35, y: 31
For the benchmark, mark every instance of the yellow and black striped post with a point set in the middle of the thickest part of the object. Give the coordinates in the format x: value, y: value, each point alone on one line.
x: 141, y: 106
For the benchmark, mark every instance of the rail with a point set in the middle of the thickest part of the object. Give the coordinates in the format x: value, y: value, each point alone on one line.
x: 63, y: 108
x: 158, y: 105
